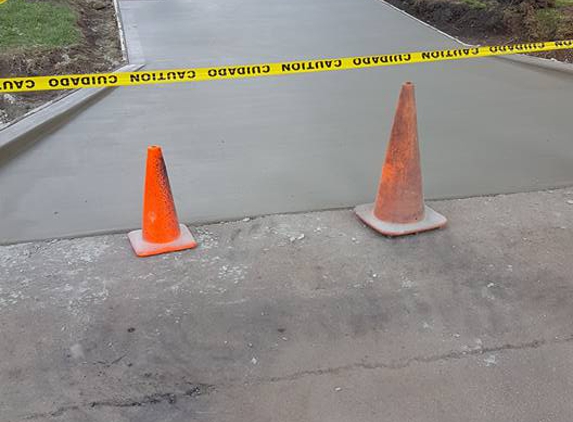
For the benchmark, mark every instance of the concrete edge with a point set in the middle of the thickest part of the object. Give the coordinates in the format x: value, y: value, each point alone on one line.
x: 24, y: 131
x: 549, y: 64
x: 49, y: 116
x: 130, y: 35
x: 201, y: 222
x: 119, y: 22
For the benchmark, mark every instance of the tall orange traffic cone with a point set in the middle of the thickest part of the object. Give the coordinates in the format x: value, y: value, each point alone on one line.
x: 399, y: 208
x: 161, y: 229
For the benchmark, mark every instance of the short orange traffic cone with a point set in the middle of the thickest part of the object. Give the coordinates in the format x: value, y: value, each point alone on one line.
x: 161, y: 229
x: 399, y: 208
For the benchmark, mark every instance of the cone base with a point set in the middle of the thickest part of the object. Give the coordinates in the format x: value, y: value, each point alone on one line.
x: 145, y: 248
x: 432, y: 220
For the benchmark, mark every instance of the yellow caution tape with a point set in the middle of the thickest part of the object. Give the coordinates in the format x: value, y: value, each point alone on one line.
x: 96, y: 80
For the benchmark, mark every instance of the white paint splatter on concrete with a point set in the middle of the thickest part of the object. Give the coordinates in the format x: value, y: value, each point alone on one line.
x: 491, y: 360
x: 206, y: 239
x: 11, y: 297
x: 88, y: 249
x: 90, y: 291
x: 286, y: 230
x: 486, y: 293
x: 407, y: 283
x: 233, y: 273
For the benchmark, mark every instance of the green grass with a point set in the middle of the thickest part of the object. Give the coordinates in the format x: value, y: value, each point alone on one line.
x: 549, y: 17
x: 563, y: 3
x: 549, y: 21
x: 37, y: 24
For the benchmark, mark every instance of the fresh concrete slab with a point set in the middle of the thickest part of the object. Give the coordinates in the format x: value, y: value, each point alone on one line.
x: 20, y: 135
x: 306, y: 317
x: 250, y: 147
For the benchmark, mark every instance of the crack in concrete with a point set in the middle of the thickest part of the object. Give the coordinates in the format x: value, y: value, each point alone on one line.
x: 113, y: 362
x: 150, y: 399
x: 402, y: 364
x: 201, y: 389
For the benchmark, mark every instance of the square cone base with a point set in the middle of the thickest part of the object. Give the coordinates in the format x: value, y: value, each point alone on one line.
x: 145, y: 248
x: 432, y: 220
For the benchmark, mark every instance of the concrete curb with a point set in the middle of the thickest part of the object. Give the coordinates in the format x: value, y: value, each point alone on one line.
x: 25, y: 131
x: 549, y: 64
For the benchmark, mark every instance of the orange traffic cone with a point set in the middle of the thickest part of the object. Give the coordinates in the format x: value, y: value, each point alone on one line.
x: 161, y: 230
x: 399, y: 208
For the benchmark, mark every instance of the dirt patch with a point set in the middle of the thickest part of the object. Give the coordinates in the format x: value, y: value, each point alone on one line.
x: 492, y: 22
x: 98, y: 51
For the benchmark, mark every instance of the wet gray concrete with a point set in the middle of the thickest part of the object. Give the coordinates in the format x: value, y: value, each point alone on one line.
x: 280, y: 144
x: 307, y: 317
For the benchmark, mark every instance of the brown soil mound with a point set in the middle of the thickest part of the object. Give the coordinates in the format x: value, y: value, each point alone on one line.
x: 492, y: 22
